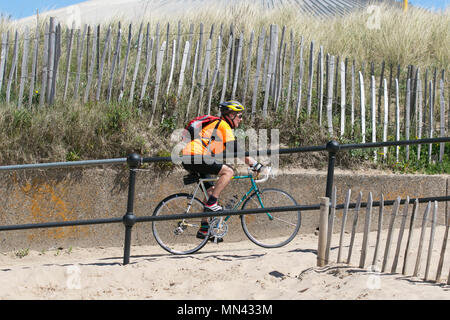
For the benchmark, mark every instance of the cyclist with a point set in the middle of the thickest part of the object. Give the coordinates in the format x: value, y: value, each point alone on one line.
x: 215, y: 138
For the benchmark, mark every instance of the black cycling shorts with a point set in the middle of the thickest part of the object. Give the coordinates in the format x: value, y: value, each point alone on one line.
x: 205, y: 170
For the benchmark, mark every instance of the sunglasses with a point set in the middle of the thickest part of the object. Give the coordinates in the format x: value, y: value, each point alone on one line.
x: 239, y: 115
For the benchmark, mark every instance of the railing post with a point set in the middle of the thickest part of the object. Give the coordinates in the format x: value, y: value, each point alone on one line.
x: 332, y: 148
x: 129, y: 219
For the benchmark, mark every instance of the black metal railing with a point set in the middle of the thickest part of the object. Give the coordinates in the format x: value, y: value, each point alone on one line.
x: 134, y: 161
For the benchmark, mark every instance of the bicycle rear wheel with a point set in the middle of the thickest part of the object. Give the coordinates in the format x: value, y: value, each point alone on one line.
x: 178, y: 236
x: 267, y: 232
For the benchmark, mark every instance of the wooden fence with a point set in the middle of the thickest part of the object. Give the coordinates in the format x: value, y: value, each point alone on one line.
x: 408, y: 255
x: 178, y: 74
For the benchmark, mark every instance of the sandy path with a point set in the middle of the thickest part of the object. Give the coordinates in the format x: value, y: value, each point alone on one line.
x: 225, y: 271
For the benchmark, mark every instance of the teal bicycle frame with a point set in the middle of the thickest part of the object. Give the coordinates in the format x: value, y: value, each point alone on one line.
x: 253, y: 188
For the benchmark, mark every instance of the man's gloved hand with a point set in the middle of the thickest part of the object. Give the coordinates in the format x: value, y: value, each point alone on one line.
x: 257, y: 167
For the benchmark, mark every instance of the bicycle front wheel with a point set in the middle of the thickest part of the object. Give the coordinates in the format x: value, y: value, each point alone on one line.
x: 178, y: 236
x: 271, y: 229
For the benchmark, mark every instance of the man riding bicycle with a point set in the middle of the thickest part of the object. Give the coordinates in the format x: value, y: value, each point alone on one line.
x: 214, y: 139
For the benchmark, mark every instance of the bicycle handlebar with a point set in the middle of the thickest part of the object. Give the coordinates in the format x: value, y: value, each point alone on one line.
x: 266, y: 176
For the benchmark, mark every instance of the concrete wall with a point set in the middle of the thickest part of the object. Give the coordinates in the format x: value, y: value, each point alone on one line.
x: 81, y: 194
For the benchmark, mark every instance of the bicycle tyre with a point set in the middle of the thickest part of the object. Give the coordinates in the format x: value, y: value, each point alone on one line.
x: 166, y: 232
x: 282, y: 229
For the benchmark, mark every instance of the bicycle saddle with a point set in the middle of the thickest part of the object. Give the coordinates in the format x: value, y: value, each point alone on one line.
x: 191, y: 178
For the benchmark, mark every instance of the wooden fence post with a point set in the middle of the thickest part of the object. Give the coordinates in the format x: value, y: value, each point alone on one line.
x: 422, y: 236
x: 125, y: 64
x: 363, y: 107
x: 204, y: 75
x: 33, y: 67
x: 443, y: 249
x: 310, y: 79
x: 343, y: 98
x: 193, y: 85
x: 330, y: 97
x: 3, y: 58
x: 400, y: 235
x: 13, y: 66
x: 183, y: 68
x: 389, y: 237
x: 430, y: 244
x: 136, y: 67
x: 301, y: 72
x: 355, y: 222
x: 367, y: 223
x: 24, y: 69
x: 44, y: 68
x: 91, y: 67
x: 80, y: 49
x: 159, y: 64
x: 380, y: 227
x: 344, y: 220
x: 323, y: 226
x: 411, y: 230
x: 102, y: 63
x: 68, y: 61
x: 373, y: 115
x: 115, y: 63
x: 259, y: 59
x: 397, y: 119
x: 386, y: 117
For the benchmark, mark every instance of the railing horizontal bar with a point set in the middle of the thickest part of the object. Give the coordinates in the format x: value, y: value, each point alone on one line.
x: 63, y: 164
x: 59, y: 224
x: 393, y: 143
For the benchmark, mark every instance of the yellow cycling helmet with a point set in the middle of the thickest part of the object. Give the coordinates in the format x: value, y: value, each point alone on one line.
x: 231, y: 105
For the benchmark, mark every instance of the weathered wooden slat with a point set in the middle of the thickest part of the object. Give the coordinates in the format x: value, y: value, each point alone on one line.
x: 13, y: 67
x: 3, y: 58
x: 159, y: 64
x: 443, y: 250
x: 422, y: 236
x: 24, y: 67
x: 259, y: 59
x: 400, y: 235
x: 367, y: 223
x: 291, y: 72
x: 57, y: 57
x: 115, y: 63
x: 80, y: 49
x: 321, y: 84
x: 379, y: 230
x: 410, y: 234
x: 148, y: 67
x: 51, y: 58
x: 343, y: 98
x: 431, y: 242
x: 91, y: 68
x: 102, y: 64
x: 386, y: 117
x: 33, y: 66
x: 344, y: 220
x: 323, y: 226
x: 44, y: 67
x: 330, y: 96
x: 204, y: 75
x: 68, y: 62
x: 363, y: 107
x: 390, y: 232
x: 226, y: 71
x: 397, y: 119
x: 373, y: 115
x: 183, y: 68
x: 442, y: 132
x: 193, y: 84
x: 431, y: 119
x: 137, y: 63
x: 310, y: 78
x: 238, y: 65
x: 301, y: 72
x: 172, y: 66
x: 354, y: 224
x: 248, y: 66
x: 408, y: 115
x: 125, y: 64
x: 352, y: 100
x: 270, y: 70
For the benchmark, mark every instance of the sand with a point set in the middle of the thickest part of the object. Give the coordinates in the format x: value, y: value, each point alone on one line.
x: 239, y: 270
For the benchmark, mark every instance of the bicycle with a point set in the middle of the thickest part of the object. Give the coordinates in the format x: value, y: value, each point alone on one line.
x: 179, y: 236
